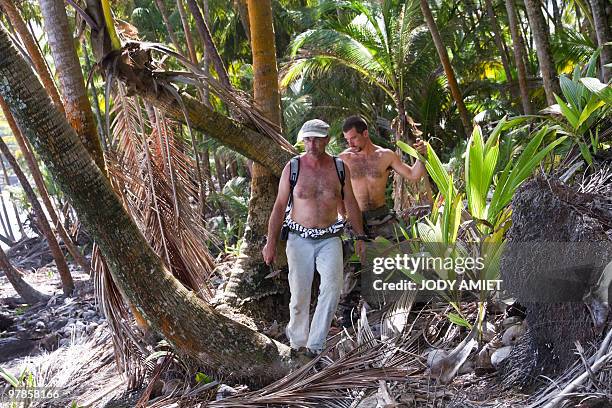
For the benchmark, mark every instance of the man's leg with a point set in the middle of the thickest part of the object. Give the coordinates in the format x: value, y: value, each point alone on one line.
x: 300, y: 257
x: 329, y: 265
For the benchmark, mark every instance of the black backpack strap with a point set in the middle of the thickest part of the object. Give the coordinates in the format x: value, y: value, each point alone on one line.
x: 294, y: 172
x: 341, y: 173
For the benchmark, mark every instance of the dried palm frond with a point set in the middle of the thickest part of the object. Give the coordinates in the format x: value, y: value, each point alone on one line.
x: 128, y: 343
x: 150, y: 170
x: 584, y: 379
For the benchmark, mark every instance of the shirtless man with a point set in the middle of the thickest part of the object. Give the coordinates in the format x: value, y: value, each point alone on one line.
x: 370, y: 166
x: 314, y: 236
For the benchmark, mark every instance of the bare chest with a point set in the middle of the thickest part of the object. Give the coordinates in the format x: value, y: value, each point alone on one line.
x: 317, y: 184
x: 372, y: 166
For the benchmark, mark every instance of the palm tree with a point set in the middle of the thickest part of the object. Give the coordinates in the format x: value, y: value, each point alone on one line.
x: 603, y: 32
x: 387, y: 45
x: 448, y: 69
x: 383, y: 43
x: 76, y: 103
x: 185, y: 321
x: 539, y: 29
x: 250, y: 270
x: 519, y: 57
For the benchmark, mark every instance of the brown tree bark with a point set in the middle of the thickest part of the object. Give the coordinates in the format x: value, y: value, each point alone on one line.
x: 164, y: 13
x: 519, y: 58
x: 209, y: 45
x: 43, y: 224
x: 76, y: 103
x: 188, y: 323
x: 248, y: 275
x: 539, y: 30
x: 42, y: 189
x: 23, y: 289
x: 33, y: 51
x: 499, y: 42
x: 602, y: 30
x: 448, y: 69
x: 188, y: 38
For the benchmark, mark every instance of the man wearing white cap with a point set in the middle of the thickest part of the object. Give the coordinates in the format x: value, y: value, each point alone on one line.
x: 313, y: 233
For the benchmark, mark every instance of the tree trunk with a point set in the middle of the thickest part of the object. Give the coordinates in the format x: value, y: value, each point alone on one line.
x: 23, y: 289
x: 94, y: 96
x: 499, y: 42
x: 6, y: 225
x: 43, y: 224
x: 76, y: 103
x: 248, y: 276
x: 207, y: 40
x: 42, y: 189
x: 240, y: 137
x: 188, y: 38
x: 243, y: 11
x: 540, y: 35
x: 602, y: 29
x: 33, y: 51
x: 448, y: 69
x: 162, y: 10
x: 519, y: 58
x: 557, y: 16
x: 188, y: 323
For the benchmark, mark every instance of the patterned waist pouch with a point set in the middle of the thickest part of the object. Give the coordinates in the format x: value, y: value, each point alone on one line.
x: 334, y: 230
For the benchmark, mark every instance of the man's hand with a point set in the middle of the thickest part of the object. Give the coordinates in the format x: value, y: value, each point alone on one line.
x: 360, y: 248
x: 421, y: 147
x: 269, y: 253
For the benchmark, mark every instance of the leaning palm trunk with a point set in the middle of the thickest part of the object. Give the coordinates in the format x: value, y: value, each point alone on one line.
x: 23, y: 289
x: 245, y: 135
x: 540, y: 35
x: 43, y: 224
x: 187, y: 322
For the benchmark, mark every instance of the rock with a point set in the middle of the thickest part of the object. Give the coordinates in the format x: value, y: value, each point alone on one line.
x: 14, y: 346
x: 500, y: 355
x: 58, y: 324
x: 466, y: 368
x: 511, y: 321
x: 88, y: 315
x: 435, y: 357
x: 64, y: 342
x: 513, y: 334
x: 369, y: 402
x: 5, y: 322
x: 40, y: 325
x: 50, y: 341
x: 91, y: 328
x: 225, y: 391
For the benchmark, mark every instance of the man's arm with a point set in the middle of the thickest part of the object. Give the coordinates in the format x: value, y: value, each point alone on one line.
x: 277, y: 216
x: 414, y: 172
x: 354, y: 214
x: 350, y: 204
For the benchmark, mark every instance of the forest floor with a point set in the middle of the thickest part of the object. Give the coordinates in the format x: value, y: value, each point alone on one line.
x: 67, y: 343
